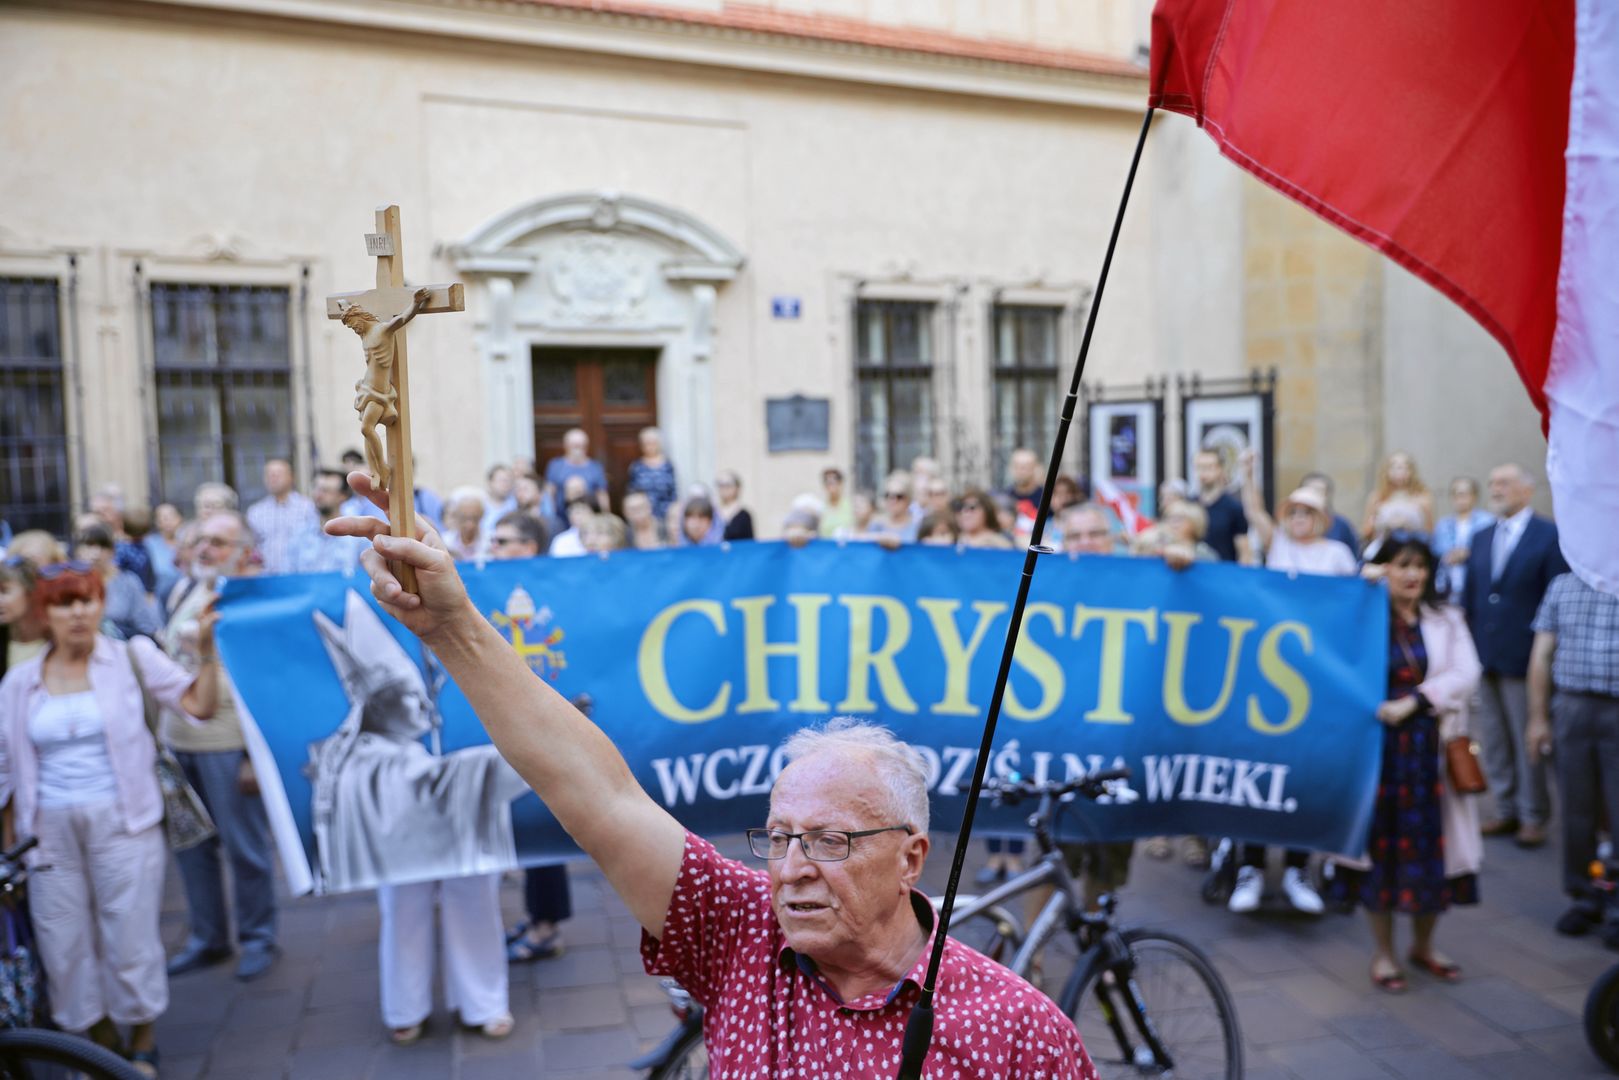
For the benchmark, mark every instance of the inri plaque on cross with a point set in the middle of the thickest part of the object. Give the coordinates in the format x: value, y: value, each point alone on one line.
x: 382, y: 395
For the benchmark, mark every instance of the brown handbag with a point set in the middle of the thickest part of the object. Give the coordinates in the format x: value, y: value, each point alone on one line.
x: 1461, y: 765
x: 1461, y: 754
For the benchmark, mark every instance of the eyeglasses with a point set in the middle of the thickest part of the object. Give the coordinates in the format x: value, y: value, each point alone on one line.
x: 819, y: 845
x: 72, y: 566
x: 894, y: 495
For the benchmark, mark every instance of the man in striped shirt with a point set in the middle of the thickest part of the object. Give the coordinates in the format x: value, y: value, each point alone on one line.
x: 281, y: 519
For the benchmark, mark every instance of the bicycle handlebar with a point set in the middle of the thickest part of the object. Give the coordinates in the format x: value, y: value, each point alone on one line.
x: 1010, y: 791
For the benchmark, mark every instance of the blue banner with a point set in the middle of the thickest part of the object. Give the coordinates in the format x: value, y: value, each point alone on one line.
x: 1242, y: 700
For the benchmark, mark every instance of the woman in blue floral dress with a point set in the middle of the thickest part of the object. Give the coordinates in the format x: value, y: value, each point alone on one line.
x: 1410, y: 867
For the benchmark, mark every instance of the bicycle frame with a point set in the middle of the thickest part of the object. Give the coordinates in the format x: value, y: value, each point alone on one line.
x: 1065, y: 910
x: 1050, y: 870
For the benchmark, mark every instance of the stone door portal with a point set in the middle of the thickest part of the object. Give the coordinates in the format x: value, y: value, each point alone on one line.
x: 597, y: 309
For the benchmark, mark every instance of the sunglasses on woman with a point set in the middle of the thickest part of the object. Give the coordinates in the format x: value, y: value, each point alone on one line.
x: 72, y: 566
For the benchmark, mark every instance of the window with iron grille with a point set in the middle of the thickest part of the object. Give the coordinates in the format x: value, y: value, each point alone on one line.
x: 1026, y: 383
x: 222, y: 361
x: 34, y: 492
x: 894, y: 384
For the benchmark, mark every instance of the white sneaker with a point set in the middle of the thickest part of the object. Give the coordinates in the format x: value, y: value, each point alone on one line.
x: 1248, y: 891
x: 1299, y: 892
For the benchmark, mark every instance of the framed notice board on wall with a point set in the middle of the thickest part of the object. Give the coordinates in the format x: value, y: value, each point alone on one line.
x: 798, y: 423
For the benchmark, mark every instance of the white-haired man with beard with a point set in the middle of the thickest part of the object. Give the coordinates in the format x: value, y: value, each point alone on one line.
x: 808, y: 968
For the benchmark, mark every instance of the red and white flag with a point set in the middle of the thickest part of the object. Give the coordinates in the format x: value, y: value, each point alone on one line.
x: 1476, y: 144
x: 1131, y: 519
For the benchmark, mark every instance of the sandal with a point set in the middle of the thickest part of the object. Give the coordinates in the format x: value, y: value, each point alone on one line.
x: 522, y: 950
x: 1437, y: 968
x: 498, y: 1028
x: 1391, y: 984
x: 406, y: 1035
x: 517, y: 931
x: 1157, y: 847
x: 144, y: 1062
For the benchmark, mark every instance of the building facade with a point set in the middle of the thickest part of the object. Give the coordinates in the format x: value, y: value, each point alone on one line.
x: 790, y: 234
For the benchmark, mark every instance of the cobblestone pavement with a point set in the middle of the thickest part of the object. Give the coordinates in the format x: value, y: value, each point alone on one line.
x: 1307, y: 1008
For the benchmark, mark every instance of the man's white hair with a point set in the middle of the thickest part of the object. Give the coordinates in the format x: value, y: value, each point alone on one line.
x: 900, y: 768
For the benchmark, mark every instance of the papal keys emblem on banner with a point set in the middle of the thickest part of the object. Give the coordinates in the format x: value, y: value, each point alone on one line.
x: 531, y: 633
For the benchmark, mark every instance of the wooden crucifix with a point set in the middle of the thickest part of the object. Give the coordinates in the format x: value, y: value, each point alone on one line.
x: 382, y: 395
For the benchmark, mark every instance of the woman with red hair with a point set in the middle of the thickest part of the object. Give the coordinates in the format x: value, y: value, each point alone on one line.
x: 77, y: 770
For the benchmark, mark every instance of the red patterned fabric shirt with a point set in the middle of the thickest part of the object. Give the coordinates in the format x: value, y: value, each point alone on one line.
x: 769, y: 1014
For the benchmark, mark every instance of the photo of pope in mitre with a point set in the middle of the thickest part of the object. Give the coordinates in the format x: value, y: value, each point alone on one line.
x: 386, y: 808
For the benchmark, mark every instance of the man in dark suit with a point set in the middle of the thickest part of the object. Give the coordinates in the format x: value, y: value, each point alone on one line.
x: 1509, y: 568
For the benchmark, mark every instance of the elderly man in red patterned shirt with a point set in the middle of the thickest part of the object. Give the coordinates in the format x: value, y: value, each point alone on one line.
x: 806, y: 970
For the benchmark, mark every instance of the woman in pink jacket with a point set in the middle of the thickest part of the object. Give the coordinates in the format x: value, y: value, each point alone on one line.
x: 77, y: 770
x: 1423, y: 848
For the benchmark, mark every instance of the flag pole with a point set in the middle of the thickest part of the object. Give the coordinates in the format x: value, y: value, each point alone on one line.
x: 919, y: 1028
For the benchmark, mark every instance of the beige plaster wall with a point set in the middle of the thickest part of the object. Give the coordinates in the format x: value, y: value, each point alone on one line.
x: 1312, y: 310
x: 1194, y: 234
x: 170, y: 140
x: 1451, y: 397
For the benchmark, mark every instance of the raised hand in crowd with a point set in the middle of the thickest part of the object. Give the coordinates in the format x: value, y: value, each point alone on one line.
x: 440, y: 595
x: 1253, y: 506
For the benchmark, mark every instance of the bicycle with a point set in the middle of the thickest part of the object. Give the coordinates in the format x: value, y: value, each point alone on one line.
x: 1146, y: 1002
x: 24, y: 1048
x: 1602, y: 1003
x: 681, y: 1055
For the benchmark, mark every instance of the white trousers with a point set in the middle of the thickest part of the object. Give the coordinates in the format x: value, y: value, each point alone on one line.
x: 474, y: 949
x: 95, y: 896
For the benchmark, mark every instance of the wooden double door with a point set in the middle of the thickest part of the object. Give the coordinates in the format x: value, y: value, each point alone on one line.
x: 611, y: 394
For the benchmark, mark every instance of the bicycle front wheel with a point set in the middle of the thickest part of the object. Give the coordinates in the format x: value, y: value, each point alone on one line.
x: 994, y: 931
x: 1163, y: 1012
x: 1602, y: 1018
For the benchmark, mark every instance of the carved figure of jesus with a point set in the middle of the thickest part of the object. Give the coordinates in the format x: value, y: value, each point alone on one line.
x: 374, y: 396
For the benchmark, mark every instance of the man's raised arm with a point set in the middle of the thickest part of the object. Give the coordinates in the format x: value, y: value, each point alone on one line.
x: 571, y: 765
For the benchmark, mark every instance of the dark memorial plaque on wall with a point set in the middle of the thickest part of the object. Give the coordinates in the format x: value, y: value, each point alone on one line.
x: 798, y: 423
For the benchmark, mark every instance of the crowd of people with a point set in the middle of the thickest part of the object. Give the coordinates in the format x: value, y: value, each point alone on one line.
x: 1490, y: 637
